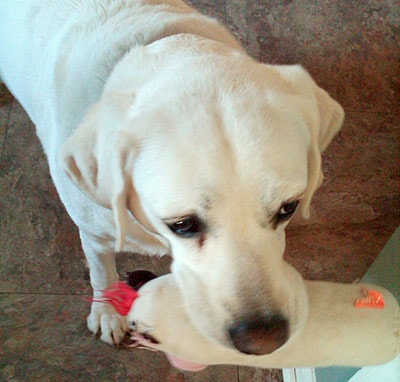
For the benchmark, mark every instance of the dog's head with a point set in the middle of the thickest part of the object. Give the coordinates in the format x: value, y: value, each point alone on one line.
x: 213, y: 155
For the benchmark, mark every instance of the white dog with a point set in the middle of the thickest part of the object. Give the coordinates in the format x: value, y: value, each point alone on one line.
x: 163, y: 136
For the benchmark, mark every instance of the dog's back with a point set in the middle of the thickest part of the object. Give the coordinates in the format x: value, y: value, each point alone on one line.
x: 55, y: 56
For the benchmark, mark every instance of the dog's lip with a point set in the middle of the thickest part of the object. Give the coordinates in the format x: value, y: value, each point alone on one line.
x: 146, y: 341
x: 182, y: 364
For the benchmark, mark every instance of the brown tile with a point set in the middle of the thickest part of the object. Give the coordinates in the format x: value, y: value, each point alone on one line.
x: 357, y: 207
x: 237, y: 20
x: 250, y: 374
x: 365, y: 155
x: 5, y: 109
x: 44, y: 338
x: 40, y: 252
x: 351, y: 50
x: 215, y: 9
x: 3, y: 89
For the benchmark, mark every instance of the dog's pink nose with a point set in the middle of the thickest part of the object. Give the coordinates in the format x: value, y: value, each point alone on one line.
x: 261, y: 335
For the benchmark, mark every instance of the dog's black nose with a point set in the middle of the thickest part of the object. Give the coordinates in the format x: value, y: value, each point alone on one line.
x: 260, y: 335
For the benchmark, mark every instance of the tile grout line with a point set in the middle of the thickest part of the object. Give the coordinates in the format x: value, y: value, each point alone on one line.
x: 42, y: 294
x: 371, y: 112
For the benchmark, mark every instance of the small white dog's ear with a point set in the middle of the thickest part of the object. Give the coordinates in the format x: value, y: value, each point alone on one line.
x: 99, y: 156
x: 324, y: 118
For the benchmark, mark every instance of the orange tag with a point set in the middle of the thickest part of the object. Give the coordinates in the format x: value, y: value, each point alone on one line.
x: 371, y: 299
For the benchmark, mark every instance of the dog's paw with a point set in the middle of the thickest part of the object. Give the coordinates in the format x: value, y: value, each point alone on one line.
x: 104, y: 321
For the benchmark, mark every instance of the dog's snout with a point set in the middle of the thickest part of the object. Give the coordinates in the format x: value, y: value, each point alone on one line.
x: 260, y: 335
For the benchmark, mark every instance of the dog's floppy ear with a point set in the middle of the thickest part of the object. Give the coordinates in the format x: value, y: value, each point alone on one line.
x: 99, y: 157
x: 324, y: 118
x: 329, y: 121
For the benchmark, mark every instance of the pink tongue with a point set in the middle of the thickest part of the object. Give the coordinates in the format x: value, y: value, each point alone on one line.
x: 184, y: 365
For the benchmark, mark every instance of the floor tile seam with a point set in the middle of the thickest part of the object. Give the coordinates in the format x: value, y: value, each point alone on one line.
x: 2, y: 294
x: 347, y: 111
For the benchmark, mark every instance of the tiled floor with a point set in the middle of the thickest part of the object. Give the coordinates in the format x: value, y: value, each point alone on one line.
x: 352, y: 50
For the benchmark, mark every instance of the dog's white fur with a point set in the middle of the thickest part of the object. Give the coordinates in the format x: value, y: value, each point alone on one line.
x: 156, y: 112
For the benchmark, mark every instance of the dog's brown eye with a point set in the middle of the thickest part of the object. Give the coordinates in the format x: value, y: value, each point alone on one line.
x: 186, y: 227
x: 287, y: 210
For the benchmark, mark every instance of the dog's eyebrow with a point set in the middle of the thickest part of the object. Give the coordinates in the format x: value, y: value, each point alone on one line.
x: 206, y: 203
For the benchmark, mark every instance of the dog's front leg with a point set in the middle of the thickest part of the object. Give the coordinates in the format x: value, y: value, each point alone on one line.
x: 103, y: 319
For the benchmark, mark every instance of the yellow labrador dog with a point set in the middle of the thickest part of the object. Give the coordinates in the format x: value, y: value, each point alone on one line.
x: 164, y: 136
